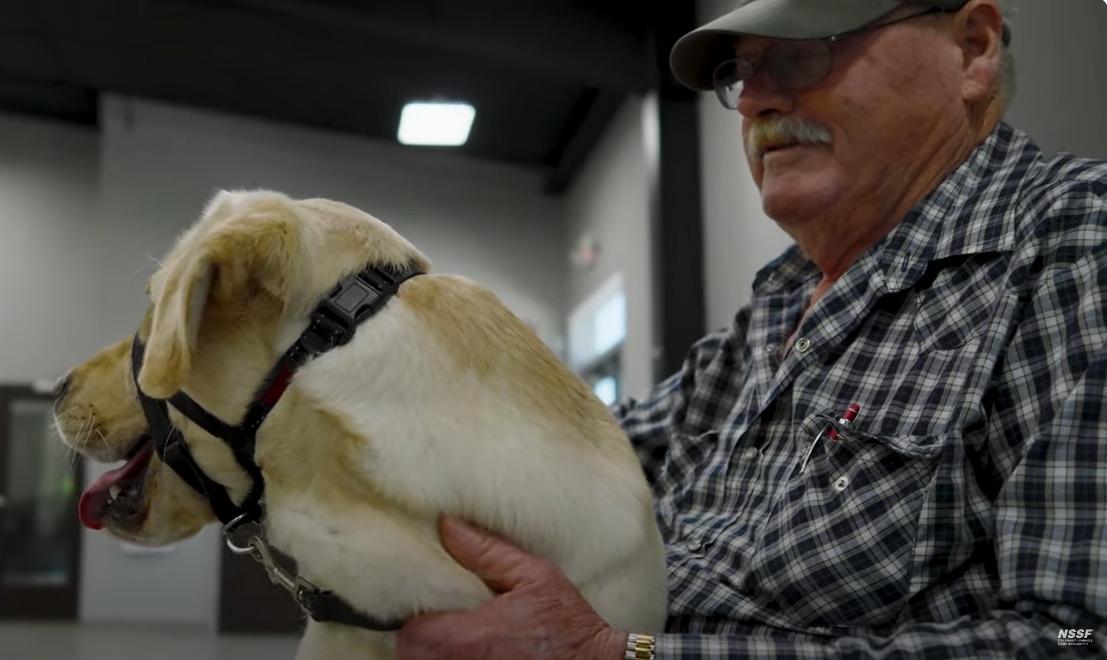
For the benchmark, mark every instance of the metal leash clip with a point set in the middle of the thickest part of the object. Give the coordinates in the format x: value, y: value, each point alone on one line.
x: 256, y: 547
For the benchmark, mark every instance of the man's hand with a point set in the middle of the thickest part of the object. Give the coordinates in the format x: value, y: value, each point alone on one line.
x: 538, y: 614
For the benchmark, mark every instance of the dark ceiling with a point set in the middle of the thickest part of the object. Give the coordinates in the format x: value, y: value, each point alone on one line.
x: 545, y: 75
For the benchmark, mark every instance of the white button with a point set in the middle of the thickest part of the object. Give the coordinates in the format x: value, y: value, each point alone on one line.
x: 841, y: 483
x: 695, y: 546
x: 770, y: 349
x: 750, y: 453
x: 803, y: 345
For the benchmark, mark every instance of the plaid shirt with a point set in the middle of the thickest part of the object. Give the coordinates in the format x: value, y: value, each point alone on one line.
x: 964, y: 514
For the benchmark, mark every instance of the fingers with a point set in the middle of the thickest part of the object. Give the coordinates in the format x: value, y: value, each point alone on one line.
x: 501, y: 565
x: 538, y: 614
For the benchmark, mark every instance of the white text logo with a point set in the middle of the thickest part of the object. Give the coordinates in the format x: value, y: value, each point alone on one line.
x: 1074, y: 637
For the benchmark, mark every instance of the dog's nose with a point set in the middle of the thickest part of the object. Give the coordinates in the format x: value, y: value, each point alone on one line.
x: 61, y: 388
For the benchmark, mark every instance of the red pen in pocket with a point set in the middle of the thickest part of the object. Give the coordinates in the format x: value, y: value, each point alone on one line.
x: 846, y: 420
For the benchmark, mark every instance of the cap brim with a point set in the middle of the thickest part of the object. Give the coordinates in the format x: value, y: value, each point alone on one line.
x: 696, y: 54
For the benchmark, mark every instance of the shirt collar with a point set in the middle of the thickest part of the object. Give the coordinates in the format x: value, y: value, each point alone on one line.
x: 973, y: 211
x: 785, y: 273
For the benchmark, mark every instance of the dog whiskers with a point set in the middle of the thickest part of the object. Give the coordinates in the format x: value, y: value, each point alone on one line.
x: 66, y: 458
x: 107, y: 448
x: 73, y: 461
x: 86, y: 433
x: 70, y: 459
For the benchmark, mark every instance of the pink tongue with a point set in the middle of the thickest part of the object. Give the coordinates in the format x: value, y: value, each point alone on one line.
x: 94, y: 501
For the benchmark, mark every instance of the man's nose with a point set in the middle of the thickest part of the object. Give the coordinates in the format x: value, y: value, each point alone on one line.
x: 761, y: 95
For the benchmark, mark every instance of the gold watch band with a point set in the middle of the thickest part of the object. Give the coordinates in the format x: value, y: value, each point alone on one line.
x: 639, y: 647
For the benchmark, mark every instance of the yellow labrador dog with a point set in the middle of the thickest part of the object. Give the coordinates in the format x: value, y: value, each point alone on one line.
x: 441, y: 402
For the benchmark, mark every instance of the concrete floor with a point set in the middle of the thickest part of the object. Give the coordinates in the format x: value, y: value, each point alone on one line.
x: 55, y: 641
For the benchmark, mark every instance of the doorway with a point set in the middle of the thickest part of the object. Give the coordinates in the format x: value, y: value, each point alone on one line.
x: 40, y: 533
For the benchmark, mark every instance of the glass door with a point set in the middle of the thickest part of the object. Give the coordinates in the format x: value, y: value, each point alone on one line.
x: 39, y: 530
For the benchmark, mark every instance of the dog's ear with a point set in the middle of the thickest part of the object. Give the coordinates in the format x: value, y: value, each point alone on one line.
x: 244, y: 246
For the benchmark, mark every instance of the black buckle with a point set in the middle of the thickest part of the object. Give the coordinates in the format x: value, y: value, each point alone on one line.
x: 330, y: 327
x: 335, y: 318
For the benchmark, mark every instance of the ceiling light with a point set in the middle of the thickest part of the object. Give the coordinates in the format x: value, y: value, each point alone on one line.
x: 436, y: 123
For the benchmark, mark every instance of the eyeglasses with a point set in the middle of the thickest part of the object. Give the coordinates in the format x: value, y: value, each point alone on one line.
x: 793, y: 64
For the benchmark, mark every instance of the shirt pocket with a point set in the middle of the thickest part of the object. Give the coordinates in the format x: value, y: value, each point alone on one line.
x: 956, y: 300
x: 839, y: 543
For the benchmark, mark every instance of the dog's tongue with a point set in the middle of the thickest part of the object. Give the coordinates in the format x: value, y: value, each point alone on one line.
x: 94, y: 501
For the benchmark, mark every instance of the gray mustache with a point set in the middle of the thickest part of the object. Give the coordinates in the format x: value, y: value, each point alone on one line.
x: 780, y: 131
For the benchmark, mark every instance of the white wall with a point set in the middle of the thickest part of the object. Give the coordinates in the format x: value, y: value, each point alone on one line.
x: 610, y: 201
x: 1060, y: 51
x: 48, y: 193
x: 739, y: 239
x: 484, y: 221
x: 83, y: 216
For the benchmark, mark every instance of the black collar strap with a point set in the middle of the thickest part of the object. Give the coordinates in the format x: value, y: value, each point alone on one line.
x: 333, y: 323
x: 173, y: 451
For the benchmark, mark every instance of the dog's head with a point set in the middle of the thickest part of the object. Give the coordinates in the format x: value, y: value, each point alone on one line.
x: 229, y: 298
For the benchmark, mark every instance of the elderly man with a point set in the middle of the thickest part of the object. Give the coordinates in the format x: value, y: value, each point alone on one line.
x: 899, y: 448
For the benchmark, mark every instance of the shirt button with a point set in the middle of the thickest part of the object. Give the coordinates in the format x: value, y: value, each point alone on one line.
x: 750, y: 453
x: 803, y: 345
x: 841, y: 483
x: 770, y: 349
x: 695, y: 545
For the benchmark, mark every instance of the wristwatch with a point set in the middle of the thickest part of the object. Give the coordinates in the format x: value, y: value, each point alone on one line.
x: 639, y: 647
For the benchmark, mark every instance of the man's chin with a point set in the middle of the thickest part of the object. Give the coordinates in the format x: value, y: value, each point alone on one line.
x: 795, y: 200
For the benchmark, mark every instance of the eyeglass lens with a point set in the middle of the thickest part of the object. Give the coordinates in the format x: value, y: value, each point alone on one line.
x: 793, y: 65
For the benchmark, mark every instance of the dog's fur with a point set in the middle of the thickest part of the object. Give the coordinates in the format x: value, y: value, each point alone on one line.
x: 443, y: 403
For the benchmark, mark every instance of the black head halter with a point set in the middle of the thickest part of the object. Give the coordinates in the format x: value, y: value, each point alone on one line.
x: 333, y: 323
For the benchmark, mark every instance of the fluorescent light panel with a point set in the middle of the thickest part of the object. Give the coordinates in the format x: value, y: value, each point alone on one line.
x: 435, y: 124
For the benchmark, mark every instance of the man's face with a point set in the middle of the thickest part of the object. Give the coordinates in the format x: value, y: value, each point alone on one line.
x: 891, y: 99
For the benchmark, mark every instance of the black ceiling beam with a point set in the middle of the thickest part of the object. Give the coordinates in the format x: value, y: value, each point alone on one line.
x: 582, y: 132
x: 49, y: 98
x: 249, y: 48
x: 345, y: 64
x: 552, y: 44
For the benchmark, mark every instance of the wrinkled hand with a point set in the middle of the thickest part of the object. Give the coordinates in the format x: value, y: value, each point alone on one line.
x: 538, y: 614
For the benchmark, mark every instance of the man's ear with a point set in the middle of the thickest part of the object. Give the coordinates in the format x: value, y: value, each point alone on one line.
x: 242, y: 246
x: 980, y: 35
